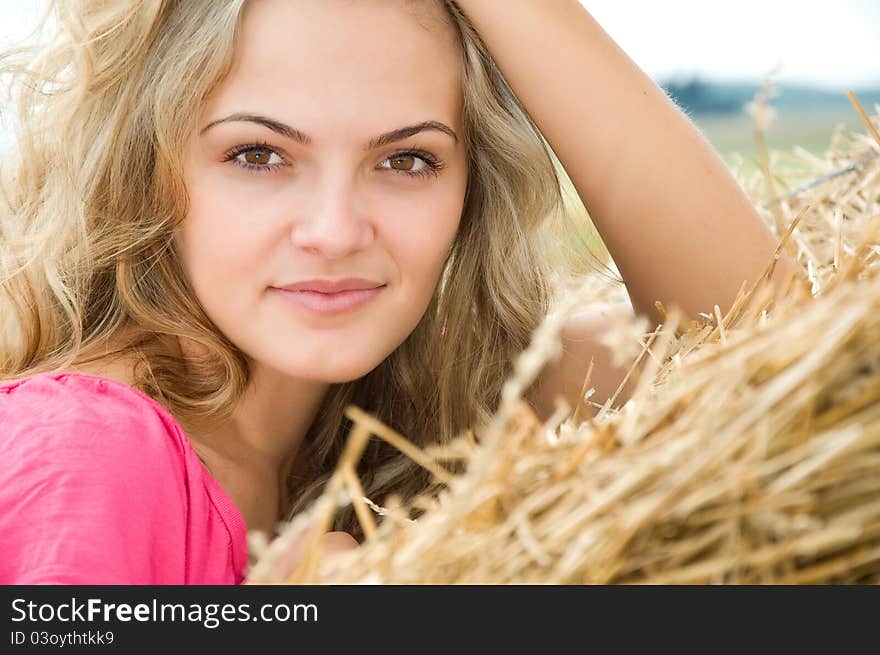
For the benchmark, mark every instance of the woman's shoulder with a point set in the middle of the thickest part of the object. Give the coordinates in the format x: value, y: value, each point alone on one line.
x: 99, y: 483
x: 71, y: 412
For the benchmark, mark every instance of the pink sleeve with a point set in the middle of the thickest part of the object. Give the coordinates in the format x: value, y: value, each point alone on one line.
x: 92, y: 488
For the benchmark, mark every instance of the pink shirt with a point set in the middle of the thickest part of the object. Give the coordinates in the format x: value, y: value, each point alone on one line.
x: 100, y: 485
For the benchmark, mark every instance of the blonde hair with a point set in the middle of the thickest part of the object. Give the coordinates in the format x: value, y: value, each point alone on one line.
x: 94, y: 190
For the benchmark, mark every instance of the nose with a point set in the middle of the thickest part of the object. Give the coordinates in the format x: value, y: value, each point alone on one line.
x: 335, y: 226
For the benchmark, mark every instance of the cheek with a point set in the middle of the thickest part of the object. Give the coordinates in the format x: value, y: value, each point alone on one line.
x: 226, y: 233
x: 422, y: 241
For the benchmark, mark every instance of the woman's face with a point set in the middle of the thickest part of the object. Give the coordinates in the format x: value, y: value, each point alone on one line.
x: 333, y: 150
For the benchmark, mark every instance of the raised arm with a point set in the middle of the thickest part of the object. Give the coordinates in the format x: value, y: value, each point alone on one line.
x: 674, y: 219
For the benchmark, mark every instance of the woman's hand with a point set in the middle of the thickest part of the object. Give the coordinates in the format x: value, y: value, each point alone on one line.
x: 331, y: 545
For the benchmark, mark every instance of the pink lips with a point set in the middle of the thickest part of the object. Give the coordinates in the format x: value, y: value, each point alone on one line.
x: 331, y: 296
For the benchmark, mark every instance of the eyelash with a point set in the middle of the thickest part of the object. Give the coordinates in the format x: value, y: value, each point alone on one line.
x: 432, y: 164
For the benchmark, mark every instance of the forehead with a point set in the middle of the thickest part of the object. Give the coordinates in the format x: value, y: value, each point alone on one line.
x: 334, y: 68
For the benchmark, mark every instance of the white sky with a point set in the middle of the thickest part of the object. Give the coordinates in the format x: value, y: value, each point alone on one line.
x: 831, y: 43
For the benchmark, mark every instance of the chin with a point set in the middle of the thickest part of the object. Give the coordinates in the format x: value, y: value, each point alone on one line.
x: 330, y: 370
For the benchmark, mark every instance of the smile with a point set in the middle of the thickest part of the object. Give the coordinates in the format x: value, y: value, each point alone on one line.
x: 330, y: 303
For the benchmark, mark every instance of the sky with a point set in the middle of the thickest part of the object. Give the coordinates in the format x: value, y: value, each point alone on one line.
x: 828, y: 43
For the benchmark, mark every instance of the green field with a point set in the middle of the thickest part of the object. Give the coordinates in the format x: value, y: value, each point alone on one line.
x: 811, y: 130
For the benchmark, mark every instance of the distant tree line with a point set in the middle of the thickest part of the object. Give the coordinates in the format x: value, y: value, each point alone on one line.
x: 700, y: 97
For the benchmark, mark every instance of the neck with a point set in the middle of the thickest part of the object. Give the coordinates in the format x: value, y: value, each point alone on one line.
x: 253, y: 454
x: 272, y: 417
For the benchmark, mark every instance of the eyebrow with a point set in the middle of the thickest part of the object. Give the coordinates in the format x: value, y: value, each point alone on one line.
x: 295, y: 135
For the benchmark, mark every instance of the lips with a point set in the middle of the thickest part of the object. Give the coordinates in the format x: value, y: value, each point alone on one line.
x: 325, y: 296
x: 332, y: 286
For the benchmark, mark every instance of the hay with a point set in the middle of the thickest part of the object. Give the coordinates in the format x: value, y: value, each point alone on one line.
x: 749, y: 451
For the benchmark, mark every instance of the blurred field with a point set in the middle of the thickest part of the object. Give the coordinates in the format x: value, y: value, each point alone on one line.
x: 811, y: 130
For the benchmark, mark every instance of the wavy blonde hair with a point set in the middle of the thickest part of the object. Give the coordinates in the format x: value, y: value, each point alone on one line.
x: 93, y: 192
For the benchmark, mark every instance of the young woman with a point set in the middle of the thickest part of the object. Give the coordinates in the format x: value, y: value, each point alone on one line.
x: 224, y: 222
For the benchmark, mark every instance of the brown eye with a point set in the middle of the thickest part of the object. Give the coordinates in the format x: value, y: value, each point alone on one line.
x: 258, y: 156
x: 403, y: 162
x: 412, y: 164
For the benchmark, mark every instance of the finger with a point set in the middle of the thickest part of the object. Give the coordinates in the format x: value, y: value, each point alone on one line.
x: 338, y: 542
x: 330, y: 545
x: 334, y: 547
